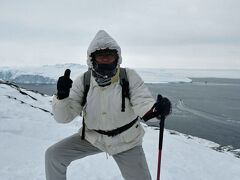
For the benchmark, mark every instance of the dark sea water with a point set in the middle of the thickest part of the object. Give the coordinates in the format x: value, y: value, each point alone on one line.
x: 209, y: 111
x: 206, y: 108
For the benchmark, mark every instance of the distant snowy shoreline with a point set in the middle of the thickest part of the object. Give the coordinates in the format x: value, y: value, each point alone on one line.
x: 48, y: 74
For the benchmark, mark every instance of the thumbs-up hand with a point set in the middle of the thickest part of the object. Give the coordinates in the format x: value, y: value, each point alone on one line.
x: 64, y: 85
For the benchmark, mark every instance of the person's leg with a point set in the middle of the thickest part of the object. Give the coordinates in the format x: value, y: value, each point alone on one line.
x: 61, y: 154
x: 133, y: 164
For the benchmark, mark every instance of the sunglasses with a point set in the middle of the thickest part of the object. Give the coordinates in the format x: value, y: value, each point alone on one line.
x: 105, y: 52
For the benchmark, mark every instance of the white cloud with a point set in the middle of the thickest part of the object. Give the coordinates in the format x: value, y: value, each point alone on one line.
x: 185, y: 33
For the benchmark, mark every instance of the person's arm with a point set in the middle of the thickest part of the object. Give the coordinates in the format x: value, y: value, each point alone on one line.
x: 65, y: 110
x: 140, y: 96
x: 143, y: 103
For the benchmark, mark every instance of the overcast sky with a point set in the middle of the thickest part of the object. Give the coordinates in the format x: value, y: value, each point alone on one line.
x: 154, y: 33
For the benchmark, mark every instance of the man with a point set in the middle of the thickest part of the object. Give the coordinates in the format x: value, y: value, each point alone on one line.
x: 108, y: 125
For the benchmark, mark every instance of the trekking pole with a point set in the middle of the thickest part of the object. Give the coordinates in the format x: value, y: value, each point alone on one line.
x: 161, y: 125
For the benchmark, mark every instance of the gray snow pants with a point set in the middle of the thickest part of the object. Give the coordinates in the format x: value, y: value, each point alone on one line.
x: 132, y: 163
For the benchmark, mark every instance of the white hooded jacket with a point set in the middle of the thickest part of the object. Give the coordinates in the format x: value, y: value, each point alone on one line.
x: 102, y: 110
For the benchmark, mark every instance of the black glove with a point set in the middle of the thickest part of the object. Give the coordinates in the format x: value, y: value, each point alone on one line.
x: 64, y: 84
x: 162, y: 107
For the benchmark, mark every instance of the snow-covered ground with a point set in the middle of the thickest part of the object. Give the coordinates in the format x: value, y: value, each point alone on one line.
x: 27, y: 129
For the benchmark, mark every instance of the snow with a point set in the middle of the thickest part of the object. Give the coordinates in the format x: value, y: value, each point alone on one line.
x: 52, y: 72
x: 27, y: 131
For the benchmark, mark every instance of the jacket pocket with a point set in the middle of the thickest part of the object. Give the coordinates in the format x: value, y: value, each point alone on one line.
x: 133, y: 133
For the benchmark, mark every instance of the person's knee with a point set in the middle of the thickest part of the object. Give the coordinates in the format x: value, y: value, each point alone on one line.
x: 53, y: 154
